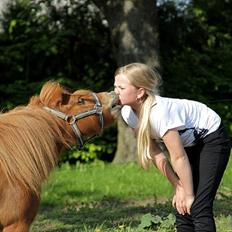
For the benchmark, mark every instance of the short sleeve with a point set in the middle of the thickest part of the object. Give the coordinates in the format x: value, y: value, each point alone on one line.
x: 129, y: 116
x: 162, y: 120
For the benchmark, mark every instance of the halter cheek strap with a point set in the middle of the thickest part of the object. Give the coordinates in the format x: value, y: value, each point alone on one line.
x: 72, y: 119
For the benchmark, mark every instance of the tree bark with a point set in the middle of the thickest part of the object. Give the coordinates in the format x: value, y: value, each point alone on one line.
x: 3, y: 5
x: 133, y: 26
x: 126, y: 144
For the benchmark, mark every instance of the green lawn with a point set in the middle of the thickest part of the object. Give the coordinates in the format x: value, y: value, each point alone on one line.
x: 99, y: 197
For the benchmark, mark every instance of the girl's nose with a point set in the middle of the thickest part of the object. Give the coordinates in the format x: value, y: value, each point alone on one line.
x: 116, y: 90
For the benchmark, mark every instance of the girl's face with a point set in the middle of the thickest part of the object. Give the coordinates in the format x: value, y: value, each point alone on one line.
x: 128, y: 93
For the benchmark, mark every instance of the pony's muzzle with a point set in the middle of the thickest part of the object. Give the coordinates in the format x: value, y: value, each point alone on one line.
x: 115, y: 104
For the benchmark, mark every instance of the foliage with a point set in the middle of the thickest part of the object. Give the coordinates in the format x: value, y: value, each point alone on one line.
x: 196, y: 53
x: 151, y: 221
x: 101, y: 148
x: 42, y: 40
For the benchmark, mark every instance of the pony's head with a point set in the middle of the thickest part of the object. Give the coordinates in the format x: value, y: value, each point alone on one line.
x: 85, y: 113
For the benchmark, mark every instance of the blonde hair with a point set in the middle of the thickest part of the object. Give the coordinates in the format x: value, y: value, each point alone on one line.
x: 142, y: 76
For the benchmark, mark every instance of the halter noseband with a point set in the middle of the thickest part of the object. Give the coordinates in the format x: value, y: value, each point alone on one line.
x: 72, y: 119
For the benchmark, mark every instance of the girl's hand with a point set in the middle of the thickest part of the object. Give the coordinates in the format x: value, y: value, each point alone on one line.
x: 189, y: 199
x: 178, y: 200
x: 181, y: 201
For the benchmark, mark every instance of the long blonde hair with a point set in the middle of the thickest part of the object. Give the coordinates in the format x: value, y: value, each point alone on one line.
x: 142, y: 76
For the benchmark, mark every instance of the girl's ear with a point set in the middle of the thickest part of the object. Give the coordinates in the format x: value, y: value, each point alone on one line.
x: 141, y: 93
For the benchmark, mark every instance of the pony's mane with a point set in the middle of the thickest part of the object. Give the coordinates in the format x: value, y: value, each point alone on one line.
x: 30, y: 142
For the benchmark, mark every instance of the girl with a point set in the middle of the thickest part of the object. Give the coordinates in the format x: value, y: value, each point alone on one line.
x: 193, y: 134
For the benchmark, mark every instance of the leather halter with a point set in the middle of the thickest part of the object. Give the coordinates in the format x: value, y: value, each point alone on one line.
x: 72, y: 119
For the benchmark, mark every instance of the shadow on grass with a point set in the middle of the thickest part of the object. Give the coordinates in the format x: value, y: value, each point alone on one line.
x: 110, y: 212
x: 223, y: 204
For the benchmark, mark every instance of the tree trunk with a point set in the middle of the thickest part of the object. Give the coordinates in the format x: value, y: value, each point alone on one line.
x: 126, y: 144
x: 133, y: 26
x: 3, y: 6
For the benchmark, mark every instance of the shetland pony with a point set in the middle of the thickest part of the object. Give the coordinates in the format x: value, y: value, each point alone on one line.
x: 32, y: 138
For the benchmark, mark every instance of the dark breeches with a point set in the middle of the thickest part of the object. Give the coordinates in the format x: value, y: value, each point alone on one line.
x: 208, y: 160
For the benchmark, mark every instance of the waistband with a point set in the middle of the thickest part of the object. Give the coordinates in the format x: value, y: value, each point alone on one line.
x: 219, y: 136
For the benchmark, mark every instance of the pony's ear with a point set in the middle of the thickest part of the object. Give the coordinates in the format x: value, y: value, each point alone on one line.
x: 51, y: 94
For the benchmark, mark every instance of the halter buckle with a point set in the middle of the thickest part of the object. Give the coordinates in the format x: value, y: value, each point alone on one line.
x: 70, y: 119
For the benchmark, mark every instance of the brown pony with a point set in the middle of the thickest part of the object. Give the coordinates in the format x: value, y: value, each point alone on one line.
x: 33, y: 136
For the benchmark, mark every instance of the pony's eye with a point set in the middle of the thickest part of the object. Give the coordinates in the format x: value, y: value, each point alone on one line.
x: 80, y: 100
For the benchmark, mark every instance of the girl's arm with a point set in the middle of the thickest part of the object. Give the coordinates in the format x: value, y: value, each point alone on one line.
x: 162, y: 163
x: 180, y: 164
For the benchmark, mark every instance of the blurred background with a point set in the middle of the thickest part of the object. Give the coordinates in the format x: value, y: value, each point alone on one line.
x: 80, y: 43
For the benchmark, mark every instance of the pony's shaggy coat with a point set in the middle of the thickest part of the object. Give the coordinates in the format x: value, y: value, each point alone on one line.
x: 31, y: 140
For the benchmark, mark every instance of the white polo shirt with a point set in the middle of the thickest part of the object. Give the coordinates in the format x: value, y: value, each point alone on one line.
x: 193, y: 120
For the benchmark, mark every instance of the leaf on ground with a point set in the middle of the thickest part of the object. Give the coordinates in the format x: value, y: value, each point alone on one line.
x: 148, y: 220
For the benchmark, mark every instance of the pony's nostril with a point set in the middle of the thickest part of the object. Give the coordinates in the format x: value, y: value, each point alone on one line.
x: 112, y: 93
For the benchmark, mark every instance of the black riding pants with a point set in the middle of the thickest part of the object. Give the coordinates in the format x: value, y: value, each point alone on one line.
x: 208, y: 160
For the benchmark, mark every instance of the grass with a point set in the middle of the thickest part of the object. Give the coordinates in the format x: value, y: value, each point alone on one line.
x: 99, y: 197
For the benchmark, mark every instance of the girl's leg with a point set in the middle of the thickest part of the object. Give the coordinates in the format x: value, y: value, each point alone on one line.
x: 213, y: 159
x: 184, y: 223
x: 208, y: 162
x: 211, y: 169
